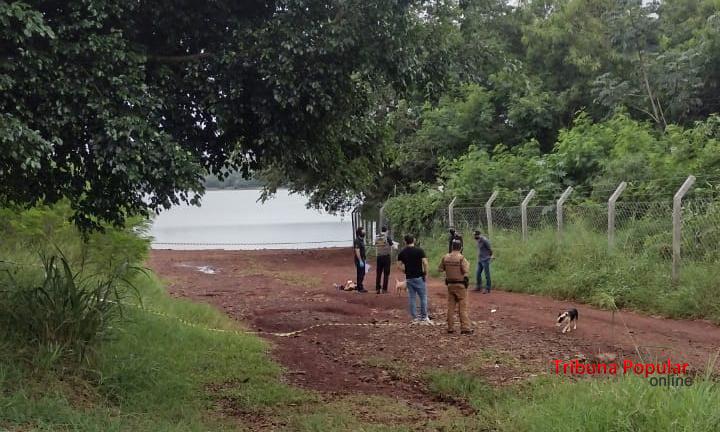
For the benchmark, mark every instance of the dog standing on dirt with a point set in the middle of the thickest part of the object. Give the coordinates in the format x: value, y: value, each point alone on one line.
x: 400, y: 287
x: 569, y: 317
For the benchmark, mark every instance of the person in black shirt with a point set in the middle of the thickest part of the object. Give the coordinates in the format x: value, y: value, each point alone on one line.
x: 360, y: 259
x: 453, y: 237
x: 414, y: 263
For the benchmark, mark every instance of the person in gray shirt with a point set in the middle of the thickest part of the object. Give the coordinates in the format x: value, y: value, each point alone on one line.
x: 485, y: 255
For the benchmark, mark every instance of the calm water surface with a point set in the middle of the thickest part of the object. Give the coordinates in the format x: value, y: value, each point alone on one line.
x: 233, y: 219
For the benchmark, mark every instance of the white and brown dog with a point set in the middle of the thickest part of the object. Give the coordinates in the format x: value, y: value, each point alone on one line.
x: 400, y: 286
x: 569, y: 317
x: 348, y: 286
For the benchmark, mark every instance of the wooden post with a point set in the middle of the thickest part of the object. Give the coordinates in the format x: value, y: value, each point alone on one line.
x: 523, y: 209
x: 451, y: 221
x: 488, y: 212
x: 559, y: 208
x: 677, y: 226
x: 611, y: 213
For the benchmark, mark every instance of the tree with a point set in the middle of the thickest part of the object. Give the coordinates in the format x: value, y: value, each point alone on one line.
x: 123, y: 107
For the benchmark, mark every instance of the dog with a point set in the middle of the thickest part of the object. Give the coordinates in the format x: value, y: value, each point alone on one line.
x: 569, y: 317
x: 400, y: 286
x: 348, y: 286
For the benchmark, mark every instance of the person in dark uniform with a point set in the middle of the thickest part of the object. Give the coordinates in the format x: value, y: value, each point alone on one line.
x: 453, y: 237
x: 360, y: 259
x: 383, y: 247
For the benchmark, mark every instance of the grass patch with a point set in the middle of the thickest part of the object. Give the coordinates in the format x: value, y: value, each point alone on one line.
x: 622, y: 404
x: 394, y: 367
x: 628, y: 403
x: 154, y: 374
x: 636, y: 275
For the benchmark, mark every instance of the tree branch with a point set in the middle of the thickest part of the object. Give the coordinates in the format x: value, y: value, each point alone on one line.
x: 178, y: 58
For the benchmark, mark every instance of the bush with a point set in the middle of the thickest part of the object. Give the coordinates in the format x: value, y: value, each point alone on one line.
x: 65, y: 313
x: 414, y: 213
x: 65, y: 310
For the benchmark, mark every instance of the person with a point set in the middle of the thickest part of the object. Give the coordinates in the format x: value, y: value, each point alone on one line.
x: 413, y: 261
x: 485, y: 255
x: 383, y: 247
x: 360, y: 259
x: 456, y: 269
x: 453, y: 236
x: 451, y: 239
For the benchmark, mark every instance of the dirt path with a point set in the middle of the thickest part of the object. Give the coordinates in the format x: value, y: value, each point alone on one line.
x: 289, y: 290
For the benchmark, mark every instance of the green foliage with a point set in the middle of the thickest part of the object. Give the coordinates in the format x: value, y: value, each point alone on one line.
x: 43, y: 230
x: 414, y: 213
x: 477, y: 174
x: 624, y: 403
x: 66, y: 313
x: 452, y: 385
x: 636, y: 275
x: 153, y: 374
x: 605, y: 87
x: 593, y: 157
x: 59, y: 292
x: 123, y: 107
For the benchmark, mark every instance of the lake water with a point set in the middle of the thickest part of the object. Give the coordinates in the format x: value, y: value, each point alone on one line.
x: 233, y: 219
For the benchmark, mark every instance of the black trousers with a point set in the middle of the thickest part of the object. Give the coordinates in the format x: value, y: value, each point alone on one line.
x: 382, y: 270
x: 360, y: 276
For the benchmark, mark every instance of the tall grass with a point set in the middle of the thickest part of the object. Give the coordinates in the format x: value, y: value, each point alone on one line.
x: 621, y: 404
x: 580, y: 267
x: 59, y: 290
x: 65, y: 313
x: 154, y: 374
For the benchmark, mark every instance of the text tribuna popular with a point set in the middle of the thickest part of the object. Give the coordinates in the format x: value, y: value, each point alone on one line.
x: 575, y: 367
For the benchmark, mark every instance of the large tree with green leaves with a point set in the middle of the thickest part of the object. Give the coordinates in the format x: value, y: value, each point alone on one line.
x: 122, y: 107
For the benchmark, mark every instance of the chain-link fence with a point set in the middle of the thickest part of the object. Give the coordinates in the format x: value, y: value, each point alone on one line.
x: 637, y: 227
x: 701, y: 231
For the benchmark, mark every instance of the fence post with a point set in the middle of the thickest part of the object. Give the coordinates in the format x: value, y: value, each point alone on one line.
x: 677, y: 226
x: 381, y: 216
x: 488, y: 212
x: 523, y: 209
x: 559, y: 208
x: 611, y: 213
x: 451, y: 222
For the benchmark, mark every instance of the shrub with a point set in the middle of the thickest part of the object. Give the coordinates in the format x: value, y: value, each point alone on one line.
x: 64, y: 313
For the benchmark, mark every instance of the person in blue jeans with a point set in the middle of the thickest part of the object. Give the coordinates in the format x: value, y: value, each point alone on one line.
x: 485, y: 255
x: 413, y: 261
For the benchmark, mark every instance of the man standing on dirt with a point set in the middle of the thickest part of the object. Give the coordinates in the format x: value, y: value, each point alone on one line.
x: 360, y: 259
x: 383, y: 247
x: 454, y: 236
x: 485, y: 255
x: 456, y: 269
x: 413, y: 261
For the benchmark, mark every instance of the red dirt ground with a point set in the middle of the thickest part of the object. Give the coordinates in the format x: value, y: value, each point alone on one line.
x: 280, y: 291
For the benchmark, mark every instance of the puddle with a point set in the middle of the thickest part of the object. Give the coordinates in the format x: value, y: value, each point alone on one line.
x: 202, y: 269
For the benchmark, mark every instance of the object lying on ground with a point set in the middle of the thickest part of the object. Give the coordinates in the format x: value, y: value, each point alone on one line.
x: 348, y: 286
